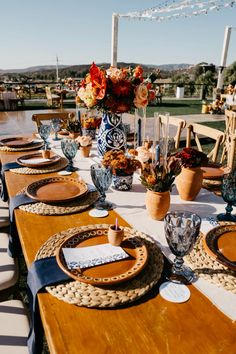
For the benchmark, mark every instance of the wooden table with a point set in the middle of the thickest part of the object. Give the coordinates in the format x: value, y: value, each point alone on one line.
x: 152, y: 325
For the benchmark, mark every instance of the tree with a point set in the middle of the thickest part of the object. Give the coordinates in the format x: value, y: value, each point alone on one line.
x: 230, y: 74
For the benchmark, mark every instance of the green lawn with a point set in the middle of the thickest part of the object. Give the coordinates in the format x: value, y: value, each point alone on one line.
x: 176, y: 107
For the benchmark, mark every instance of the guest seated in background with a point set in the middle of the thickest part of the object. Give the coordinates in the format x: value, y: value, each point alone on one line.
x: 10, y: 100
x: 158, y: 95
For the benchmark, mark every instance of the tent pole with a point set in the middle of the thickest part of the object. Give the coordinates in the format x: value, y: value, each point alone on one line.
x: 114, y: 39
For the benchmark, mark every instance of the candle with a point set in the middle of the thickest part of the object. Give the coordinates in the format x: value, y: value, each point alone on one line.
x: 144, y: 123
x: 166, y: 138
x: 139, y: 132
x: 116, y: 225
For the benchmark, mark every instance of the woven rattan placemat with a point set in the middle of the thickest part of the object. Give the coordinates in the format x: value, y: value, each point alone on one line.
x: 60, y: 165
x: 72, y: 207
x: 82, y: 294
x: 33, y: 146
x: 208, y: 268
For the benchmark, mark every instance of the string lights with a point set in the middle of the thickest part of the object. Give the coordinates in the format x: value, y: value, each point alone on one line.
x: 169, y: 10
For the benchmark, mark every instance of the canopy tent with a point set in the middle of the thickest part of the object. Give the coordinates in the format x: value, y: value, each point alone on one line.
x: 169, y: 10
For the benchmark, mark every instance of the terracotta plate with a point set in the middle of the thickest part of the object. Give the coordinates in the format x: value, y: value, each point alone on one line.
x: 22, y: 160
x: 213, y: 172
x: 63, y: 133
x: 56, y: 189
x: 109, y: 273
x: 16, y: 142
x: 220, y: 243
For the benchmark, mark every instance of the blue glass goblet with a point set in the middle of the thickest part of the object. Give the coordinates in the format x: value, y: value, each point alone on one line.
x: 69, y: 148
x: 102, y: 178
x: 44, y: 132
x: 228, y: 192
x: 56, y: 126
x: 181, y: 230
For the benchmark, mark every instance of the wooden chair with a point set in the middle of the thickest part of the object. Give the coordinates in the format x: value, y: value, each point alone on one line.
x: 9, y: 272
x: 4, y: 213
x: 198, y: 131
x: 52, y: 99
x: 230, y: 138
x: 63, y: 116
x: 14, y: 327
x: 176, y: 122
x: 230, y: 121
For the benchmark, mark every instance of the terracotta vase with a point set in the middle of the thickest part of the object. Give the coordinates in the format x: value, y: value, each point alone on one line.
x: 85, y: 150
x: 189, y: 182
x: 157, y: 204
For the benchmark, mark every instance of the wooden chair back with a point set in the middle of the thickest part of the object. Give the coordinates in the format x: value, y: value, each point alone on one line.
x: 63, y: 116
x: 51, y: 99
x: 180, y: 124
x: 198, y: 131
x: 230, y: 121
x: 230, y: 138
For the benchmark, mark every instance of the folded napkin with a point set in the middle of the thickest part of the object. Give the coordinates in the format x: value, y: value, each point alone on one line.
x: 42, y: 273
x: 14, y: 248
x: 91, y: 256
x: 6, y: 167
x: 35, y: 161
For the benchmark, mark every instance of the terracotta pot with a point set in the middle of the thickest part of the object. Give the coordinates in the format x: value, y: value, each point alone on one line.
x: 46, y: 154
x: 85, y: 150
x: 157, y: 204
x: 74, y: 135
x: 189, y: 182
x: 115, y: 237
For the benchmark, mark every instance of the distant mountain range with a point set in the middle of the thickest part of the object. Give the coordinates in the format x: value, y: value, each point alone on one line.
x: 43, y: 68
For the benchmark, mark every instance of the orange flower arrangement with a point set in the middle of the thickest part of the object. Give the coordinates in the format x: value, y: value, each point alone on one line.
x: 120, y: 163
x: 115, y: 90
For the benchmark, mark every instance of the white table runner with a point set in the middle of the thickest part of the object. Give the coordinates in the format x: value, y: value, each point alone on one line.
x: 131, y: 206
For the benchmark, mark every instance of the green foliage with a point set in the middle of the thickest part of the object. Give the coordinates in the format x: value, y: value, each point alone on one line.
x: 230, y: 73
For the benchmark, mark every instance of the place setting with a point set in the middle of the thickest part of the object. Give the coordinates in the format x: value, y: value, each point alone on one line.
x: 109, y: 273
x: 16, y: 144
x: 55, y: 196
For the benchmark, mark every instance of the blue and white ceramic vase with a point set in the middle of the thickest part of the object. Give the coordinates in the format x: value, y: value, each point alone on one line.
x: 111, y: 135
x: 122, y: 182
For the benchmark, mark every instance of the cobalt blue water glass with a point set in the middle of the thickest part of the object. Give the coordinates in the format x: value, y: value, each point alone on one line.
x: 102, y: 178
x: 56, y: 127
x: 228, y: 193
x: 69, y: 148
x: 181, y: 230
x: 44, y: 132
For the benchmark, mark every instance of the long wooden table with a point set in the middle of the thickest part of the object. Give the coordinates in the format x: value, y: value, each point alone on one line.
x: 152, y: 325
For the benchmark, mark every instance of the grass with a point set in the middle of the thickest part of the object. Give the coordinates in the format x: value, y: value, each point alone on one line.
x: 174, y: 107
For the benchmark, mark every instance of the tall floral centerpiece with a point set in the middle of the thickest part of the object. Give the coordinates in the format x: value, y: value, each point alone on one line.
x: 189, y: 181
x: 114, y: 91
x: 158, y: 180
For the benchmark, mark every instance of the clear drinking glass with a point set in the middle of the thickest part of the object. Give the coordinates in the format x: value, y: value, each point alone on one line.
x: 102, y: 178
x: 69, y: 148
x: 181, y: 230
x: 44, y: 132
x: 56, y: 126
x: 228, y: 192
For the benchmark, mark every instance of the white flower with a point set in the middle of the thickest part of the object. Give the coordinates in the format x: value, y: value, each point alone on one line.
x: 141, y: 96
x: 84, y: 140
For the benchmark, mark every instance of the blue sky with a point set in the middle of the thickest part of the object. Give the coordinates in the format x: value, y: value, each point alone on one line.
x: 79, y: 32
